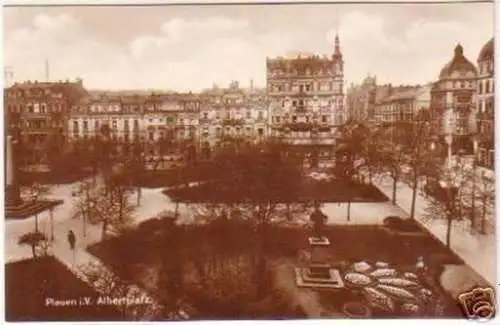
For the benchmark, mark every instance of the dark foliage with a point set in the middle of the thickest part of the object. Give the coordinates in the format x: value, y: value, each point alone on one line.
x: 29, y: 283
x: 308, y: 191
x: 225, y: 240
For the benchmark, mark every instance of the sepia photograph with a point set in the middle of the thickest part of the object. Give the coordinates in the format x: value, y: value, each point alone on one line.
x: 249, y: 161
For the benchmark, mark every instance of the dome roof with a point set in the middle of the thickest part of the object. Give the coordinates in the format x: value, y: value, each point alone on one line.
x: 459, y: 66
x: 486, y: 52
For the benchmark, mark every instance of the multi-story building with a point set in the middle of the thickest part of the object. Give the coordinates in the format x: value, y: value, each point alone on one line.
x: 403, y: 104
x: 453, y: 104
x: 486, y: 105
x: 37, y: 113
x: 306, y: 98
x: 360, y: 99
x: 233, y: 114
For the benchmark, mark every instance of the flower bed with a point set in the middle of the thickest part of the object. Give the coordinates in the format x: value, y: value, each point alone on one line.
x: 387, y: 289
x: 356, y: 309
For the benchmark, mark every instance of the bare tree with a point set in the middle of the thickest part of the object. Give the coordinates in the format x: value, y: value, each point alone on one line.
x: 35, y: 193
x: 446, y: 202
x: 110, y: 285
x: 480, y: 200
x: 392, y: 162
x: 108, y: 205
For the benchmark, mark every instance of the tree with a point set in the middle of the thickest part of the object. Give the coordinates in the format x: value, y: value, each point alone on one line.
x: 393, y: 158
x: 33, y: 239
x: 171, y: 275
x: 480, y: 199
x: 33, y: 194
x: 110, y: 285
x: 107, y: 204
x: 446, y: 202
x: 256, y: 181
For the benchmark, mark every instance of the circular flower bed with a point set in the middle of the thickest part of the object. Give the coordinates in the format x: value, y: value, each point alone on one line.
x: 390, y: 290
x: 356, y: 309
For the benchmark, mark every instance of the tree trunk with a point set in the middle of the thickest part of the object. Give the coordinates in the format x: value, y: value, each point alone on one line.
x: 349, y: 210
x: 33, y: 251
x: 473, y: 205
x: 448, y: 231
x: 104, y: 228
x: 36, y: 222
x: 483, y: 219
x: 394, y: 188
x: 413, y: 198
x: 139, y: 194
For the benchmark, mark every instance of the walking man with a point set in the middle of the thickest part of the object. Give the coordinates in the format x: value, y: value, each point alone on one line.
x: 72, y: 242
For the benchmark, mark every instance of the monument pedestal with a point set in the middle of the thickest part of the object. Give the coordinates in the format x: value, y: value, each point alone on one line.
x: 319, y: 274
x: 320, y: 249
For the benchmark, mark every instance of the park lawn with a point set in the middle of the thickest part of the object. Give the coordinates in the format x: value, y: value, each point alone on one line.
x: 28, y: 283
x: 309, y: 191
x: 138, y: 253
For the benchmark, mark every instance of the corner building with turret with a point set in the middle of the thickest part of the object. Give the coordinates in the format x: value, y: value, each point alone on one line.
x: 306, y: 100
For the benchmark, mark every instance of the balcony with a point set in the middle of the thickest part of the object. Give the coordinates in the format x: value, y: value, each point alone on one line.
x: 233, y: 122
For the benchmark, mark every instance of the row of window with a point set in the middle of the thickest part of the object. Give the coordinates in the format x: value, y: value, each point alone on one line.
x: 278, y: 119
x: 485, y: 86
x: 34, y: 108
x: 305, y: 88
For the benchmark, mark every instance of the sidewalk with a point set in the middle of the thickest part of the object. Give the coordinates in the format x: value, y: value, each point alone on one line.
x: 479, y: 251
x: 63, y: 222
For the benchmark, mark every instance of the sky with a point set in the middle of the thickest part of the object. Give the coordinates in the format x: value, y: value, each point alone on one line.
x: 192, y: 47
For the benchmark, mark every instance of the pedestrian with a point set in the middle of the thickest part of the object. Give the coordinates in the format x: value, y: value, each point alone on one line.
x: 71, y: 239
x: 319, y: 220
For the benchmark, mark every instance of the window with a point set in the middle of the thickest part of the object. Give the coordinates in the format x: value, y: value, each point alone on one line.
x: 261, y: 115
x: 277, y: 118
x: 294, y: 103
x: 85, y: 125
x: 301, y: 103
x: 301, y: 88
x: 125, y: 124
x: 151, y: 136
x: 294, y: 118
x: 75, y: 125
x: 249, y: 114
x: 260, y: 131
x: 324, y: 118
x: 136, y: 124
x: 205, y: 115
x: 308, y: 87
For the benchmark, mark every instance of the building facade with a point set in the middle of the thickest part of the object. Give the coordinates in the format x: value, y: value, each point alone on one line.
x: 360, y: 100
x: 486, y: 105
x: 403, y: 104
x: 37, y: 114
x: 306, y: 98
x: 453, y: 104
